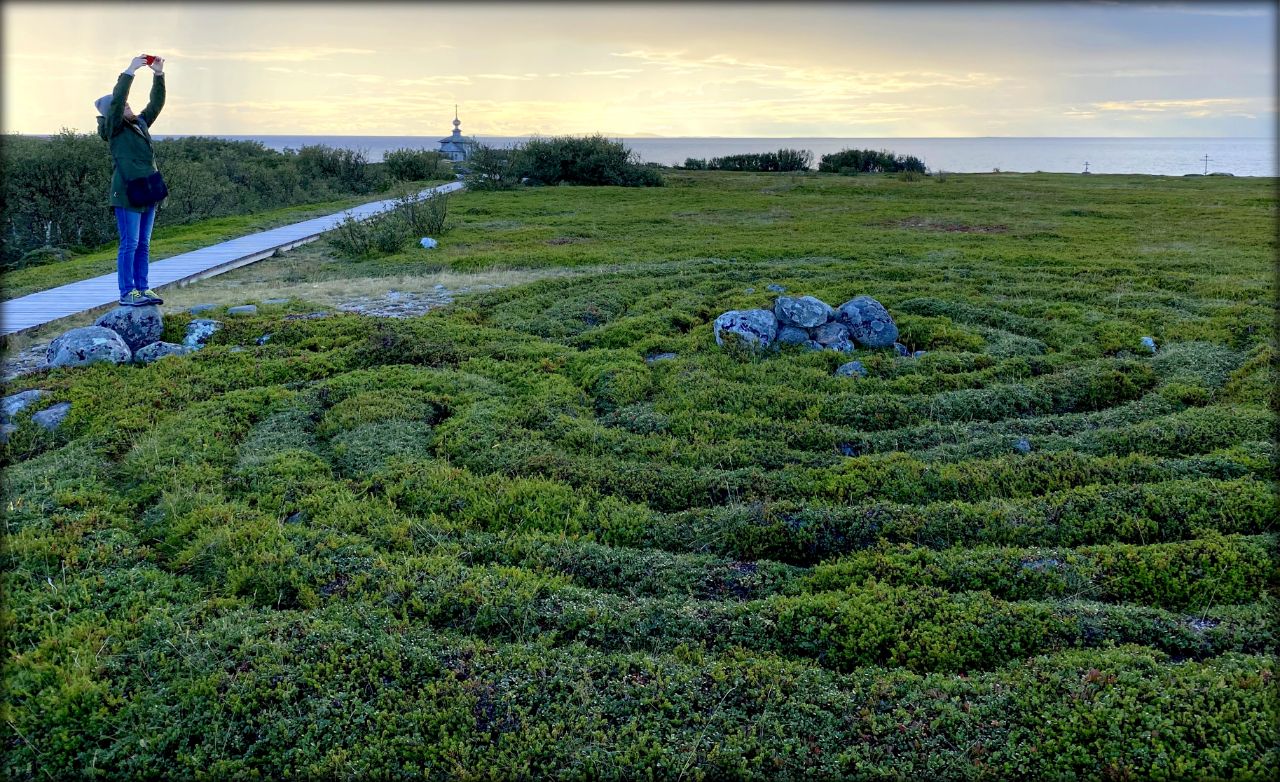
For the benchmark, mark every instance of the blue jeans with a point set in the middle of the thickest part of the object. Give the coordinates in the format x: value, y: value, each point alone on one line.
x: 135, y: 247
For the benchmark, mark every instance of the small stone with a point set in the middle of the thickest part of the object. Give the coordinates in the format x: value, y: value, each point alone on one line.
x: 1149, y: 344
x: 51, y: 417
x: 656, y: 357
x: 264, y: 339
x: 438, y: 287
x: 1048, y: 563
x: 901, y: 349
x: 5, y: 431
x: 88, y: 345
x: 297, y: 517
x: 428, y: 243
x: 774, y: 287
x: 199, y: 332
x: 275, y: 301
x: 806, y: 311
x: 748, y: 290
x: 137, y: 326
x: 235, y: 349
x: 852, y: 369
x: 919, y: 353
x: 15, y: 403
x: 1022, y: 445
x: 158, y: 350
x: 243, y: 309
x: 841, y: 346
x: 848, y: 449
x: 199, y: 308
x: 811, y: 345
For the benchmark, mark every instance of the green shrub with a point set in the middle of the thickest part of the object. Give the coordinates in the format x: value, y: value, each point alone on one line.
x: 869, y: 161
x: 414, y: 165
x: 586, y: 160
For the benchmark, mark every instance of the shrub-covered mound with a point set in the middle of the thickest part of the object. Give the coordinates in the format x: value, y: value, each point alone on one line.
x: 514, y: 540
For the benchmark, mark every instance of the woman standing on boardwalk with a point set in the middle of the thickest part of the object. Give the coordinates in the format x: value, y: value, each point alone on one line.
x: 133, y: 160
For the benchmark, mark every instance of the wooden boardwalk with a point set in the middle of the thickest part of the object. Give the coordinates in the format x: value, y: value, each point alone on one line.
x: 36, y: 309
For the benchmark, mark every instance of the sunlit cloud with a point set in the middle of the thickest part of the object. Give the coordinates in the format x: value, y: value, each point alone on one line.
x: 276, y: 54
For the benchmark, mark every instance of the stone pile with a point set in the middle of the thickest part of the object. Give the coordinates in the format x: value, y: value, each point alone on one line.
x: 809, y: 321
x: 122, y: 335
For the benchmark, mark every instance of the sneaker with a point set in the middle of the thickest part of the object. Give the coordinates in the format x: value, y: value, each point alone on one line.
x: 152, y: 296
x: 133, y: 298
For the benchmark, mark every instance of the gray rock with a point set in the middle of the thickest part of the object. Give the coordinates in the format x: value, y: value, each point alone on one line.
x: 52, y: 417
x: 199, y: 308
x: 1022, y: 445
x: 852, y: 369
x: 831, y: 333
x: 158, y: 350
x: 748, y: 290
x: 774, y: 287
x: 919, y: 353
x: 1048, y: 563
x: 811, y: 345
x: 901, y: 349
x: 805, y: 312
x: 88, y: 345
x: 841, y: 346
x: 199, y: 331
x: 869, y: 322
x: 243, y: 309
x: 15, y: 403
x: 754, y: 328
x: 438, y: 287
x: 793, y: 335
x: 137, y: 326
x: 656, y: 357
x: 5, y: 431
x: 264, y: 339
x: 275, y: 301
x: 1149, y: 343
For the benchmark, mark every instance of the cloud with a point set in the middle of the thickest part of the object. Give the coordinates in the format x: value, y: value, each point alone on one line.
x: 431, y: 81
x: 276, y: 54
x: 1190, y: 107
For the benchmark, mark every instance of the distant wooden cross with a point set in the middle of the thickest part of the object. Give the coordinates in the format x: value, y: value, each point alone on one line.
x: 1086, y: 166
x: 1206, y: 165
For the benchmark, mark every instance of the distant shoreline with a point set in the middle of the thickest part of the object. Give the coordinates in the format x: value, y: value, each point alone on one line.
x: 1242, y: 156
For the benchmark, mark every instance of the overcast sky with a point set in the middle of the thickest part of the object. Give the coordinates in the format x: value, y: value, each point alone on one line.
x: 822, y: 69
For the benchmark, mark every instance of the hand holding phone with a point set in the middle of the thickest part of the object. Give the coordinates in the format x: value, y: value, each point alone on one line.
x: 150, y: 58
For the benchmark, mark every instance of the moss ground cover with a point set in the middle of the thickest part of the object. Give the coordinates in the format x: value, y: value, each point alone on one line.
x: 501, y: 540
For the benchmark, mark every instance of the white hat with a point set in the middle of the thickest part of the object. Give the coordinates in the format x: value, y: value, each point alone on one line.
x: 103, y: 104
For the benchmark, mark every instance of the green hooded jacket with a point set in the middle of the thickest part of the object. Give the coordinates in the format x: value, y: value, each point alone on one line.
x: 131, y: 153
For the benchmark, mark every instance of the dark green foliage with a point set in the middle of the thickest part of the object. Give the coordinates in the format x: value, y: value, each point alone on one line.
x: 782, y: 160
x: 491, y: 168
x: 414, y: 165
x: 582, y: 160
x: 868, y: 161
x: 55, y: 190
x: 503, y: 540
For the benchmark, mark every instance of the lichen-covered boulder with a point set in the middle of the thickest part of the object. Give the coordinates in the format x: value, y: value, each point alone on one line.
x: 52, y: 417
x: 852, y: 369
x: 244, y: 310
x: 811, y: 345
x: 901, y: 349
x: 831, y: 333
x: 842, y: 345
x: 1149, y: 343
x: 774, y: 287
x: 88, y: 345
x: 199, y: 331
x: 654, y: 358
x: 1022, y: 445
x: 158, y: 350
x: 754, y: 328
x: 805, y: 311
x: 792, y: 335
x: 15, y: 403
x: 868, y: 321
x: 137, y: 326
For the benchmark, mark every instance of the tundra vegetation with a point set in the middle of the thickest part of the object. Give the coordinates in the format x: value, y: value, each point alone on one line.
x: 513, y: 539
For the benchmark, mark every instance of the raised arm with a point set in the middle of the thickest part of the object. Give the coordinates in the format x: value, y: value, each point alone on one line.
x: 156, y: 102
x: 120, y: 95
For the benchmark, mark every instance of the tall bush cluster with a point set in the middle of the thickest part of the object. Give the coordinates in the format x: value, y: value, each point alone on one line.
x: 413, y: 216
x: 782, y: 160
x: 570, y: 160
x: 54, y: 191
x: 869, y: 161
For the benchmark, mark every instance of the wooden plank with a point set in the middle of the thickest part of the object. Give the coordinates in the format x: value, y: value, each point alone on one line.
x: 36, y: 309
